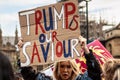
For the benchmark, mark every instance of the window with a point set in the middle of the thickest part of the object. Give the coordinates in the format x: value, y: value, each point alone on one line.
x: 110, y: 48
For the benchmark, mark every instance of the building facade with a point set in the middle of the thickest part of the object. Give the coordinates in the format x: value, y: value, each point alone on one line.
x: 7, y: 46
x: 112, y: 38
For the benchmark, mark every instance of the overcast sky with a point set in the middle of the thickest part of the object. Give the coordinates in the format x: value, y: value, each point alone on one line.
x: 9, y: 20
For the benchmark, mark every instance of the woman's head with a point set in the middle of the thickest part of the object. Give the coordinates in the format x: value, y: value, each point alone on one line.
x: 110, y: 69
x: 6, y: 71
x: 65, y: 70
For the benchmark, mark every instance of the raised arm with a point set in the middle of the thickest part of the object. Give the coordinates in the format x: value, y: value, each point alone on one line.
x: 93, y: 67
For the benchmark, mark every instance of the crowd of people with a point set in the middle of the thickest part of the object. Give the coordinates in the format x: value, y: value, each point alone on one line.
x: 65, y: 70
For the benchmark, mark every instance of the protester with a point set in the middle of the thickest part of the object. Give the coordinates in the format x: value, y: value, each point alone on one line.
x: 67, y: 70
x: 111, y: 70
x: 6, y: 71
x: 29, y: 73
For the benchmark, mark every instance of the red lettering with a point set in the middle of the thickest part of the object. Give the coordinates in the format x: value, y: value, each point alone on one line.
x: 54, y: 34
x: 59, y: 49
x: 71, y: 28
x: 38, y: 17
x: 69, y: 12
x: 35, y: 52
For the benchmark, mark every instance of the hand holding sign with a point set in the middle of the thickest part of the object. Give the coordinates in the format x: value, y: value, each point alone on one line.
x: 20, y: 43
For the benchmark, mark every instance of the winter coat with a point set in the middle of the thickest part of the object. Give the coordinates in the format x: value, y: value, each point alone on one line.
x: 93, y: 69
x: 83, y: 76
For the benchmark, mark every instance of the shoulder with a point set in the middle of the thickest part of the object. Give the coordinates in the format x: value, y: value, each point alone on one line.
x: 83, y: 76
x: 42, y: 76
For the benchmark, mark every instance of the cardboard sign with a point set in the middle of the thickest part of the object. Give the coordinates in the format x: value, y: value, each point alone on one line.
x: 50, y: 33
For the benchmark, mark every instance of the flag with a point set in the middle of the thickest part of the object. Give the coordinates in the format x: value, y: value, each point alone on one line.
x: 99, y: 51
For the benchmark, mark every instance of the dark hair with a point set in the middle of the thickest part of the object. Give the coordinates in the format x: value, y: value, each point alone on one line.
x: 28, y: 73
x: 6, y: 71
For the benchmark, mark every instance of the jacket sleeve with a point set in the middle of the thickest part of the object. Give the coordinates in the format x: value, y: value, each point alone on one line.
x: 42, y: 76
x: 93, y: 66
x: 28, y: 73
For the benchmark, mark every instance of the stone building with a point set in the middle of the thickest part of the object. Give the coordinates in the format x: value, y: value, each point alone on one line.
x: 7, y: 46
x: 112, y: 37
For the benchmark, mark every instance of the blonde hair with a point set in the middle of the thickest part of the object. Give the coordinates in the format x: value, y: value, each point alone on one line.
x: 110, y: 69
x: 116, y: 75
x: 56, y: 70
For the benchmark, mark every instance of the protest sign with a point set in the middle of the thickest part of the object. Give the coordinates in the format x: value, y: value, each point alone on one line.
x: 50, y: 33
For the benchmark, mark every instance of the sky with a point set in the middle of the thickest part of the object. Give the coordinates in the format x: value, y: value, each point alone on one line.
x: 9, y: 19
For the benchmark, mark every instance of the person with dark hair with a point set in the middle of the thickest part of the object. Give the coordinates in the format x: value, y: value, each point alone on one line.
x: 6, y: 71
x: 29, y: 73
